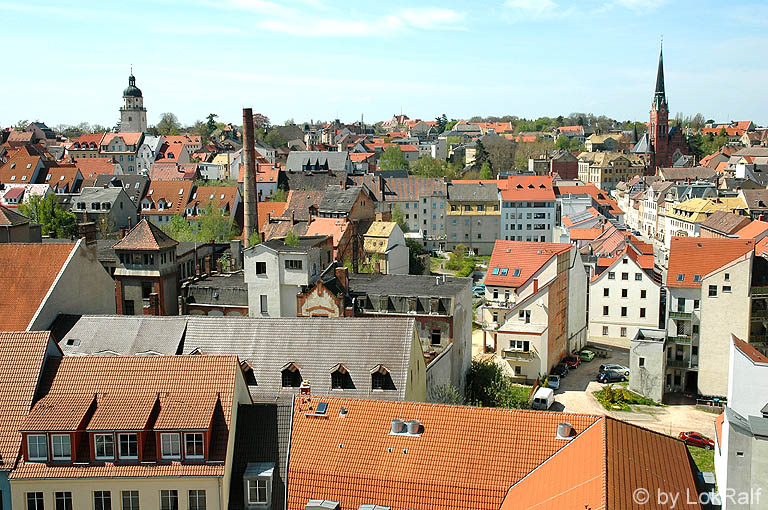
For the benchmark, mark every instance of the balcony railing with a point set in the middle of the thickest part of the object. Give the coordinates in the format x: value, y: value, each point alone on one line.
x: 500, y: 304
x: 759, y: 314
x: 681, y: 315
x: 680, y: 339
x: 760, y: 291
x: 514, y: 355
x: 682, y: 363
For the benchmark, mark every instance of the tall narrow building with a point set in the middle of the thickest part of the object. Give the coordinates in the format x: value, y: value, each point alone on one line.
x: 133, y: 115
x: 663, y: 144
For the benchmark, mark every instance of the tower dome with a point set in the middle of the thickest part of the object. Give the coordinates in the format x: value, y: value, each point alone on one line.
x: 132, y: 90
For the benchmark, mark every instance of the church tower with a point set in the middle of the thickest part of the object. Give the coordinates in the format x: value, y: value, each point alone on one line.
x: 133, y: 115
x: 658, y: 128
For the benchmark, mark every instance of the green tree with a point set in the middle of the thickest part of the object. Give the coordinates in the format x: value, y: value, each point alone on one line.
x: 442, y: 122
x: 481, y: 155
x: 53, y: 219
x: 695, y: 143
x: 211, y: 124
x: 485, y: 171
x: 575, y: 145
x: 273, y: 138
x: 200, y: 129
x: 393, y: 159
x: 416, y: 257
x: 291, y: 239
x: 399, y: 217
x: 563, y: 143
x: 21, y: 125
x: 280, y: 195
x: 169, y: 125
x: 445, y: 394
x: 211, y: 224
x: 487, y: 386
x: 254, y: 239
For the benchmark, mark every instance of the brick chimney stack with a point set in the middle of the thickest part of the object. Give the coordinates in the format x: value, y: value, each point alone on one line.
x: 250, y: 205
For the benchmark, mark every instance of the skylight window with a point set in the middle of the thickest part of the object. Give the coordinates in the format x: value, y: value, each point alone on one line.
x: 495, y: 271
x: 697, y: 278
x: 29, y: 165
x: 680, y: 277
x: 516, y: 272
x: 504, y: 271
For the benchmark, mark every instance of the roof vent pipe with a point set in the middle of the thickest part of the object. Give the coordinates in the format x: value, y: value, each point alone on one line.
x: 414, y: 426
x: 437, y: 280
x: 398, y: 427
x: 564, y: 431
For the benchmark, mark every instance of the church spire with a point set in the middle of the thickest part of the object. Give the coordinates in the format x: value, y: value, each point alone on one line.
x: 660, y: 97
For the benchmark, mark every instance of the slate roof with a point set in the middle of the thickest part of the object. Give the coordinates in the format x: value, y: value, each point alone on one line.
x: 21, y: 363
x: 94, y: 194
x: 412, y: 188
x: 756, y: 199
x: 439, y: 469
x: 315, y: 345
x: 690, y: 256
x: 145, y: 236
x: 305, y: 244
x: 125, y: 334
x: 134, y: 185
x: 687, y: 174
x: 334, y: 161
x: 125, y: 384
x: 300, y: 201
x: 406, y: 285
x: 471, y: 192
x: 227, y: 289
x: 725, y: 222
x: 28, y: 272
x: 10, y: 218
x: 339, y: 199
x: 263, y: 433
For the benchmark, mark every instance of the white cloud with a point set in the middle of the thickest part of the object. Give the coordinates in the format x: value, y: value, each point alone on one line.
x: 639, y: 4
x: 432, y: 18
x: 197, y: 30
x: 520, y: 10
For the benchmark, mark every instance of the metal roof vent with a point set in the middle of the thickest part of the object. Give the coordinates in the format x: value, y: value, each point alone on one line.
x: 565, y: 431
x: 414, y: 426
x: 343, y: 411
x: 398, y: 427
x: 321, y: 504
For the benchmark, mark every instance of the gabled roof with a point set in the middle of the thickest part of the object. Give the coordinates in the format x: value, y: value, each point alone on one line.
x: 123, y: 385
x: 92, y: 168
x: 88, y: 141
x: 273, y: 209
x: 19, y: 164
x: 64, y: 176
x: 165, y: 170
x: 124, y: 334
x: 528, y: 188
x: 21, y: 363
x: 473, y: 191
x: 352, y: 458
x: 699, y: 256
x: 725, y: 222
x: 145, y: 236
x: 300, y: 201
x: 28, y: 273
x: 605, y: 465
x: 749, y: 351
x: 175, y: 193
x: 753, y: 230
x: 340, y: 199
x: 128, y: 138
x: 221, y: 196
x: 380, y: 229
x: 521, y: 260
x: 10, y: 218
x: 334, y: 227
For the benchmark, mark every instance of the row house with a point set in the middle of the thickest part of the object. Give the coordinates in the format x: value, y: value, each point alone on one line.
x: 535, y: 302
x: 85, y: 146
x: 165, y: 199
x: 685, y: 218
x: 560, y: 162
x: 110, y: 207
x: 123, y: 148
x: 606, y: 169
x: 423, y: 201
x: 164, y: 441
x: 473, y: 216
x: 654, y: 205
x: 624, y: 296
x: 528, y: 211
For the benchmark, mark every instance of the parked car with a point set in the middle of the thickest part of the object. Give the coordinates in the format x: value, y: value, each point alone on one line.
x: 543, y: 398
x: 572, y: 361
x: 553, y: 381
x: 696, y: 439
x: 586, y: 355
x: 478, y: 290
x: 609, y: 376
x: 560, y: 369
x: 614, y: 367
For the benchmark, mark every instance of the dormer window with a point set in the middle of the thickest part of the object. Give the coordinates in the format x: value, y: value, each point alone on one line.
x: 340, y: 378
x: 381, y: 379
x: 61, y: 447
x: 291, y: 376
x: 170, y: 445
x: 104, y: 446
x: 37, y: 447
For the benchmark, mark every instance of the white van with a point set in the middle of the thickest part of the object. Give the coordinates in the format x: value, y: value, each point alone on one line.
x: 543, y: 398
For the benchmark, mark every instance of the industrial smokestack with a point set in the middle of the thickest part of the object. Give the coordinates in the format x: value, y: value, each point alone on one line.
x: 250, y: 205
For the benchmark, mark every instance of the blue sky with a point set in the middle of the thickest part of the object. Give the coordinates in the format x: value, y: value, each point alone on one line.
x: 67, y: 62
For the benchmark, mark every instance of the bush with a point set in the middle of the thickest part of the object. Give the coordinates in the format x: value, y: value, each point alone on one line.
x: 621, y: 398
x: 487, y: 386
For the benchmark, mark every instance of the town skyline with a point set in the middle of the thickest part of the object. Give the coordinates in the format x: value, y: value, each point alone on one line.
x: 307, y: 60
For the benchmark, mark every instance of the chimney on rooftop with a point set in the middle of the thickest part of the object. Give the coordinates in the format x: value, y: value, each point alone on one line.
x: 250, y: 205
x: 565, y: 431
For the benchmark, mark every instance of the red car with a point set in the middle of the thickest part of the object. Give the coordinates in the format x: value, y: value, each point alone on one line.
x: 572, y: 361
x: 696, y: 439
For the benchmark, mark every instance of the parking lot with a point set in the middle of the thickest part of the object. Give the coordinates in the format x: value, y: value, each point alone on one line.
x: 575, y: 396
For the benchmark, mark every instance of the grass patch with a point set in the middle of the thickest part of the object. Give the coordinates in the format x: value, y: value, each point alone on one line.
x: 435, y: 263
x: 704, y: 459
x: 621, y: 399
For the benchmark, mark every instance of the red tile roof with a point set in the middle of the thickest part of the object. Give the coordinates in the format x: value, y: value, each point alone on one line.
x: 689, y: 256
x: 335, y: 227
x: 274, y: 209
x: 21, y: 363
x: 585, y: 234
x: 125, y: 385
x: 91, y: 168
x: 19, y: 164
x: 528, y: 257
x: 145, y: 236
x: 749, y: 351
x: 528, y: 188
x: 89, y: 141
x: 175, y: 193
x: 465, y: 457
x: 754, y: 230
x: 358, y: 157
x: 221, y: 196
x: 29, y: 271
x: 128, y: 138
x: 165, y: 170
x: 66, y: 177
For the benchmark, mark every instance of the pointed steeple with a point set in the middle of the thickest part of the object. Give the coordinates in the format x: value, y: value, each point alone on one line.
x: 660, y: 97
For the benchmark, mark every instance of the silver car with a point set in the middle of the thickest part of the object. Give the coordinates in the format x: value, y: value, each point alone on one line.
x: 621, y: 369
